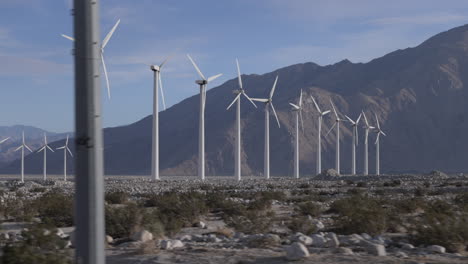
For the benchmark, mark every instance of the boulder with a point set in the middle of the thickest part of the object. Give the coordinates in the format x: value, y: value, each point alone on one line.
x: 177, y: 243
x: 436, y: 249
x: 333, y: 241
x: 327, y: 174
x: 407, y: 246
x: 401, y: 254
x: 374, y: 249
x: 166, y: 244
x: 306, y: 240
x: 345, y: 251
x: 201, y: 224
x: 296, y: 251
x: 186, y: 238
x: 437, y: 174
x: 318, y: 240
x: 142, y: 236
x: 109, y: 239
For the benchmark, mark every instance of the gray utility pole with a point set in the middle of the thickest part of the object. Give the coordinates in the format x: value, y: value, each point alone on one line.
x: 89, y: 198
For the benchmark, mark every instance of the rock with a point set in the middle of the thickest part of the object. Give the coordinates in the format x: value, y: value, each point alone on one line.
x: 345, y: 251
x: 318, y: 224
x: 437, y: 174
x: 109, y: 239
x: 4, y: 236
x: 366, y: 236
x: 318, y: 240
x: 176, y: 243
x: 201, y: 224
x: 401, y: 254
x: 186, y: 238
x: 407, y: 246
x: 374, y: 249
x: 166, y: 244
x: 273, y: 237
x: 333, y: 241
x: 327, y: 174
x: 214, y: 239
x: 60, y: 233
x: 68, y: 244
x: 306, y: 240
x: 142, y: 236
x: 296, y: 251
x: 436, y: 249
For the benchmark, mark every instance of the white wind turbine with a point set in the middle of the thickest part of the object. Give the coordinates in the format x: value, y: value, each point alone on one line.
x: 377, y: 146
x: 45, y: 148
x: 22, y: 147
x: 201, y: 125
x: 367, y: 128
x: 103, y: 45
x: 65, y: 150
x: 297, y: 108
x: 155, y: 135
x: 268, y: 102
x: 355, y: 142
x: 319, y: 140
x: 240, y: 91
x: 337, y: 125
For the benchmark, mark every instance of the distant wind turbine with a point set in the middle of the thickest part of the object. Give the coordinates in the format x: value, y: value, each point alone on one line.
x: 65, y: 150
x: 240, y: 91
x: 367, y: 128
x: 297, y: 108
x: 355, y: 142
x: 45, y: 148
x: 377, y: 146
x: 201, y: 126
x: 103, y: 45
x: 22, y: 147
x: 155, y: 147
x: 337, y: 125
x: 319, y: 140
x: 268, y: 102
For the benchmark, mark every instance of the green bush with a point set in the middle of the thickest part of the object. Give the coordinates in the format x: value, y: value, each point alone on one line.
x: 117, y: 197
x: 251, y: 221
x: 122, y: 221
x: 309, y: 208
x: 55, y: 208
x: 302, y: 224
x: 18, y: 209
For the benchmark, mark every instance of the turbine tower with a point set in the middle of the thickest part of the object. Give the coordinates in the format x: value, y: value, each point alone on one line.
x: 337, y: 125
x: 377, y: 146
x: 355, y: 142
x: 239, y: 92
x: 104, y: 43
x: 367, y: 128
x: 319, y: 140
x: 201, y: 125
x: 65, y: 150
x: 268, y: 102
x: 155, y: 135
x: 45, y: 148
x: 22, y: 147
x: 297, y: 108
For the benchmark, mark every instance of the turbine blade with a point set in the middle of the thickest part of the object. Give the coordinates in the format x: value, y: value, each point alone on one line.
x: 239, y: 74
x: 41, y: 149
x: 350, y: 120
x: 359, y: 118
x: 60, y: 148
x: 357, y: 135
x: 50, y: 148
x: 300, y: 100
x: 212, y: 78
x: 295, y: 106
x: 69, y: 151
x: 18, y: 148
x: 302, y: 120
x: 109, y: 35
x: 260, y: 100
x: 233, y: 101
x: 66, y: 142
x: 162, y: 91
x: 274, y: 112
x: 68, y: 37
x: 316, y: 105
x: 164, y: 62
x: 365, y: 118
x: 383, y: 133
x: 273, y: 88
x: 28, y: 147
x: 330, y: 129
x: 250, y: 100
x: 196, y: 67
x: 377, y: 139
x: 326, y: 112
x: 377, y: 119
x: 105, y: 74
x: 334, y: 109
x: 3, y: 140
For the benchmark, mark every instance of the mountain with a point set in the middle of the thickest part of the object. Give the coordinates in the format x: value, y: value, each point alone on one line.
x: 34, y: 138
x: 418, y: 94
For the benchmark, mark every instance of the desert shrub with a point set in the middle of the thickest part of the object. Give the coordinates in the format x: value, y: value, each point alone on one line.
x: 117, y: 197
x: 55, y: 208
x: 361, y: 184
x: 393, y: 183
x: 38, y: 189
x: 251, y: 221
x: 302, y: 224
x: 309, y: 208
x: 360, y: 214
x: 419, y: 192
x: 461, y: 201
x: 406, y: 206
x: 122, y: 221
x: 18, y: 209
x: 450, y: 232
x: 36, y: 247
x: 303, y: 186
x: 263, y: 242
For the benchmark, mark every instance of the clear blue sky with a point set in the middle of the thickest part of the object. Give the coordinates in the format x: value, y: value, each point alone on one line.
x: 36, y: 63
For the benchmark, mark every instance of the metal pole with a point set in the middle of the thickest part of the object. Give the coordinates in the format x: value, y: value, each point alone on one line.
x: 237, y: 158
x: 267, y: 142
x: 89, y: 199
x: 155, y: 146
x: 201, y: 135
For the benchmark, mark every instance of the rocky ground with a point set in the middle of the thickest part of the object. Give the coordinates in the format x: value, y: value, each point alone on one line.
x: 212, y: 240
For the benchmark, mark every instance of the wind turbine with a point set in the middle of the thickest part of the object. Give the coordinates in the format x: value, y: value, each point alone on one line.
x: 268, y: 102
x: 240, y: 91
x: 355, y: 142
x: 297, y: 108
x: 22, y: 147
x: 155, y: 147
x: 44, y: 148
x: 337, y: 125
x: 377, y: 147
x: 201, y: 125
x: 367, y: 128
x: 319, y: 141
x: 65, y: 150
x: 103, y: 45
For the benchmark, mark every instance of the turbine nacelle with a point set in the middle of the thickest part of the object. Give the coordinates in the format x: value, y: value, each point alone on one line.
x: 201, y: 82
x: 155, y: 68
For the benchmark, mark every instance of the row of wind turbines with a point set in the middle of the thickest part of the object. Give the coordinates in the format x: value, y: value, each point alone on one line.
x: 268, y: 103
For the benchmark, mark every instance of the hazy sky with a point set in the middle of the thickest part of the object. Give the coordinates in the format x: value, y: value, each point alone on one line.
x: 36, y: 64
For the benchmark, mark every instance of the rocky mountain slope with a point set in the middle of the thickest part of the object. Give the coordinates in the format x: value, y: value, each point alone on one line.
x: 418, y: 94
